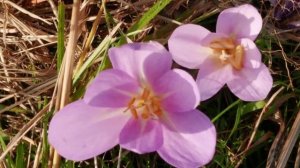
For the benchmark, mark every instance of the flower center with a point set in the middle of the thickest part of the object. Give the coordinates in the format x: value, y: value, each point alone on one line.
x: 228, y: 52
x: 145, y: 106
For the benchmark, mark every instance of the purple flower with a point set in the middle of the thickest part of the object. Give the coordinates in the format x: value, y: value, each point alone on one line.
x: 140, y: 104
x: 286, y: 13
x: 285, y: 8
x: 228, y: 56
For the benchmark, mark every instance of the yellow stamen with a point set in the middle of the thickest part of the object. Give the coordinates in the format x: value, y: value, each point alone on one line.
x: 145, y: 94
x: 140, y: 103
x: 134, y: 112
x: 238, y: 57
x: 131, y: 101
x: 145, y: 105
x: 146, y: 113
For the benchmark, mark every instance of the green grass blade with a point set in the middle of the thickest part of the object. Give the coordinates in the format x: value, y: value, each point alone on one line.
x: 60, y: 35
x: 20, y: 160
x: 105, y: 63
x: 149, y: 15
x: 225, y: 110
x: 146, y: 18
x: 8, y: 158
x: 109, y: 20
x: 252, y: 106
x: 237, y: 121
x: 68, y: 164
x: 96, y: 54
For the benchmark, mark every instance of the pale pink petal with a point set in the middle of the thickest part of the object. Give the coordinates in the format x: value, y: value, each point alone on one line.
x: 131, y: 58
x: 141, y: 136
x: 243, y: 22
x: 79, y: 132
x: 252, y: 57
x: 212, y: 77
x: 185, y: 45
x: 156, y: 65
x: 111, y: 88
x: 189, y: 139
x: 178, y: 91
x: 251, y: 84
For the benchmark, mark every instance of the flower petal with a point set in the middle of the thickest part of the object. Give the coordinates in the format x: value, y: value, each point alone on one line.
x: 189, y: 139
x: 111, y: 88
x: 185, y: 45
x: 212, y: 77
x: 156, y: 65
x: 131, y: 58
x: 243, y: 21
x: 79, y: 132
x: 252, y: 57
x: 251, y: 84
x: 141, y: 136
x: 179, y: 91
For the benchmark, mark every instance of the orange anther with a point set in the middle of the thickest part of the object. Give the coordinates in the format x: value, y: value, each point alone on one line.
x: 134, y: 112
x: 145, y: 94
x: 131, y: 101
x: 238, y: 57
x: 145, y: 115
x: 158, y: 112
x: 145, y: 105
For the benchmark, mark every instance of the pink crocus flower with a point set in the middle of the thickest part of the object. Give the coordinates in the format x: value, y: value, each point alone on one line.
x: 228, y: 56
x: 140, y: 104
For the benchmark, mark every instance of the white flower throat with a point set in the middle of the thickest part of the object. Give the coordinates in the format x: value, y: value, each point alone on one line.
x: 228, y: 52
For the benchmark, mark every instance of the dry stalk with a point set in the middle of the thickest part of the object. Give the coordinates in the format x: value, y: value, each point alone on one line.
x: 289, y: 143
x: 69, y: 55
x: 23, y: 131
x: 285, y: 58
x: 90, y: 38
x: 4, y: 24
x: 29, y: 91
x: 36, y: 91
x: 277, y: 141
x: 2, y: 165
x: 27, y: 31
x: 261, y: 115
x: 119, y: 158
x: 38, y: 153
x: 22, y: 27
x: 4, y: 65
x: 297, y: 162
x: 53, y: 7
x: 36, y: 47
x: 67, y: 69
x: 10, y: 3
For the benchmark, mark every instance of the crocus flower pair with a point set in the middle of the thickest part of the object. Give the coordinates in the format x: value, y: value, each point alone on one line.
x: 228, y: 56
x: 144, y: 106
x: 140, y: 104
